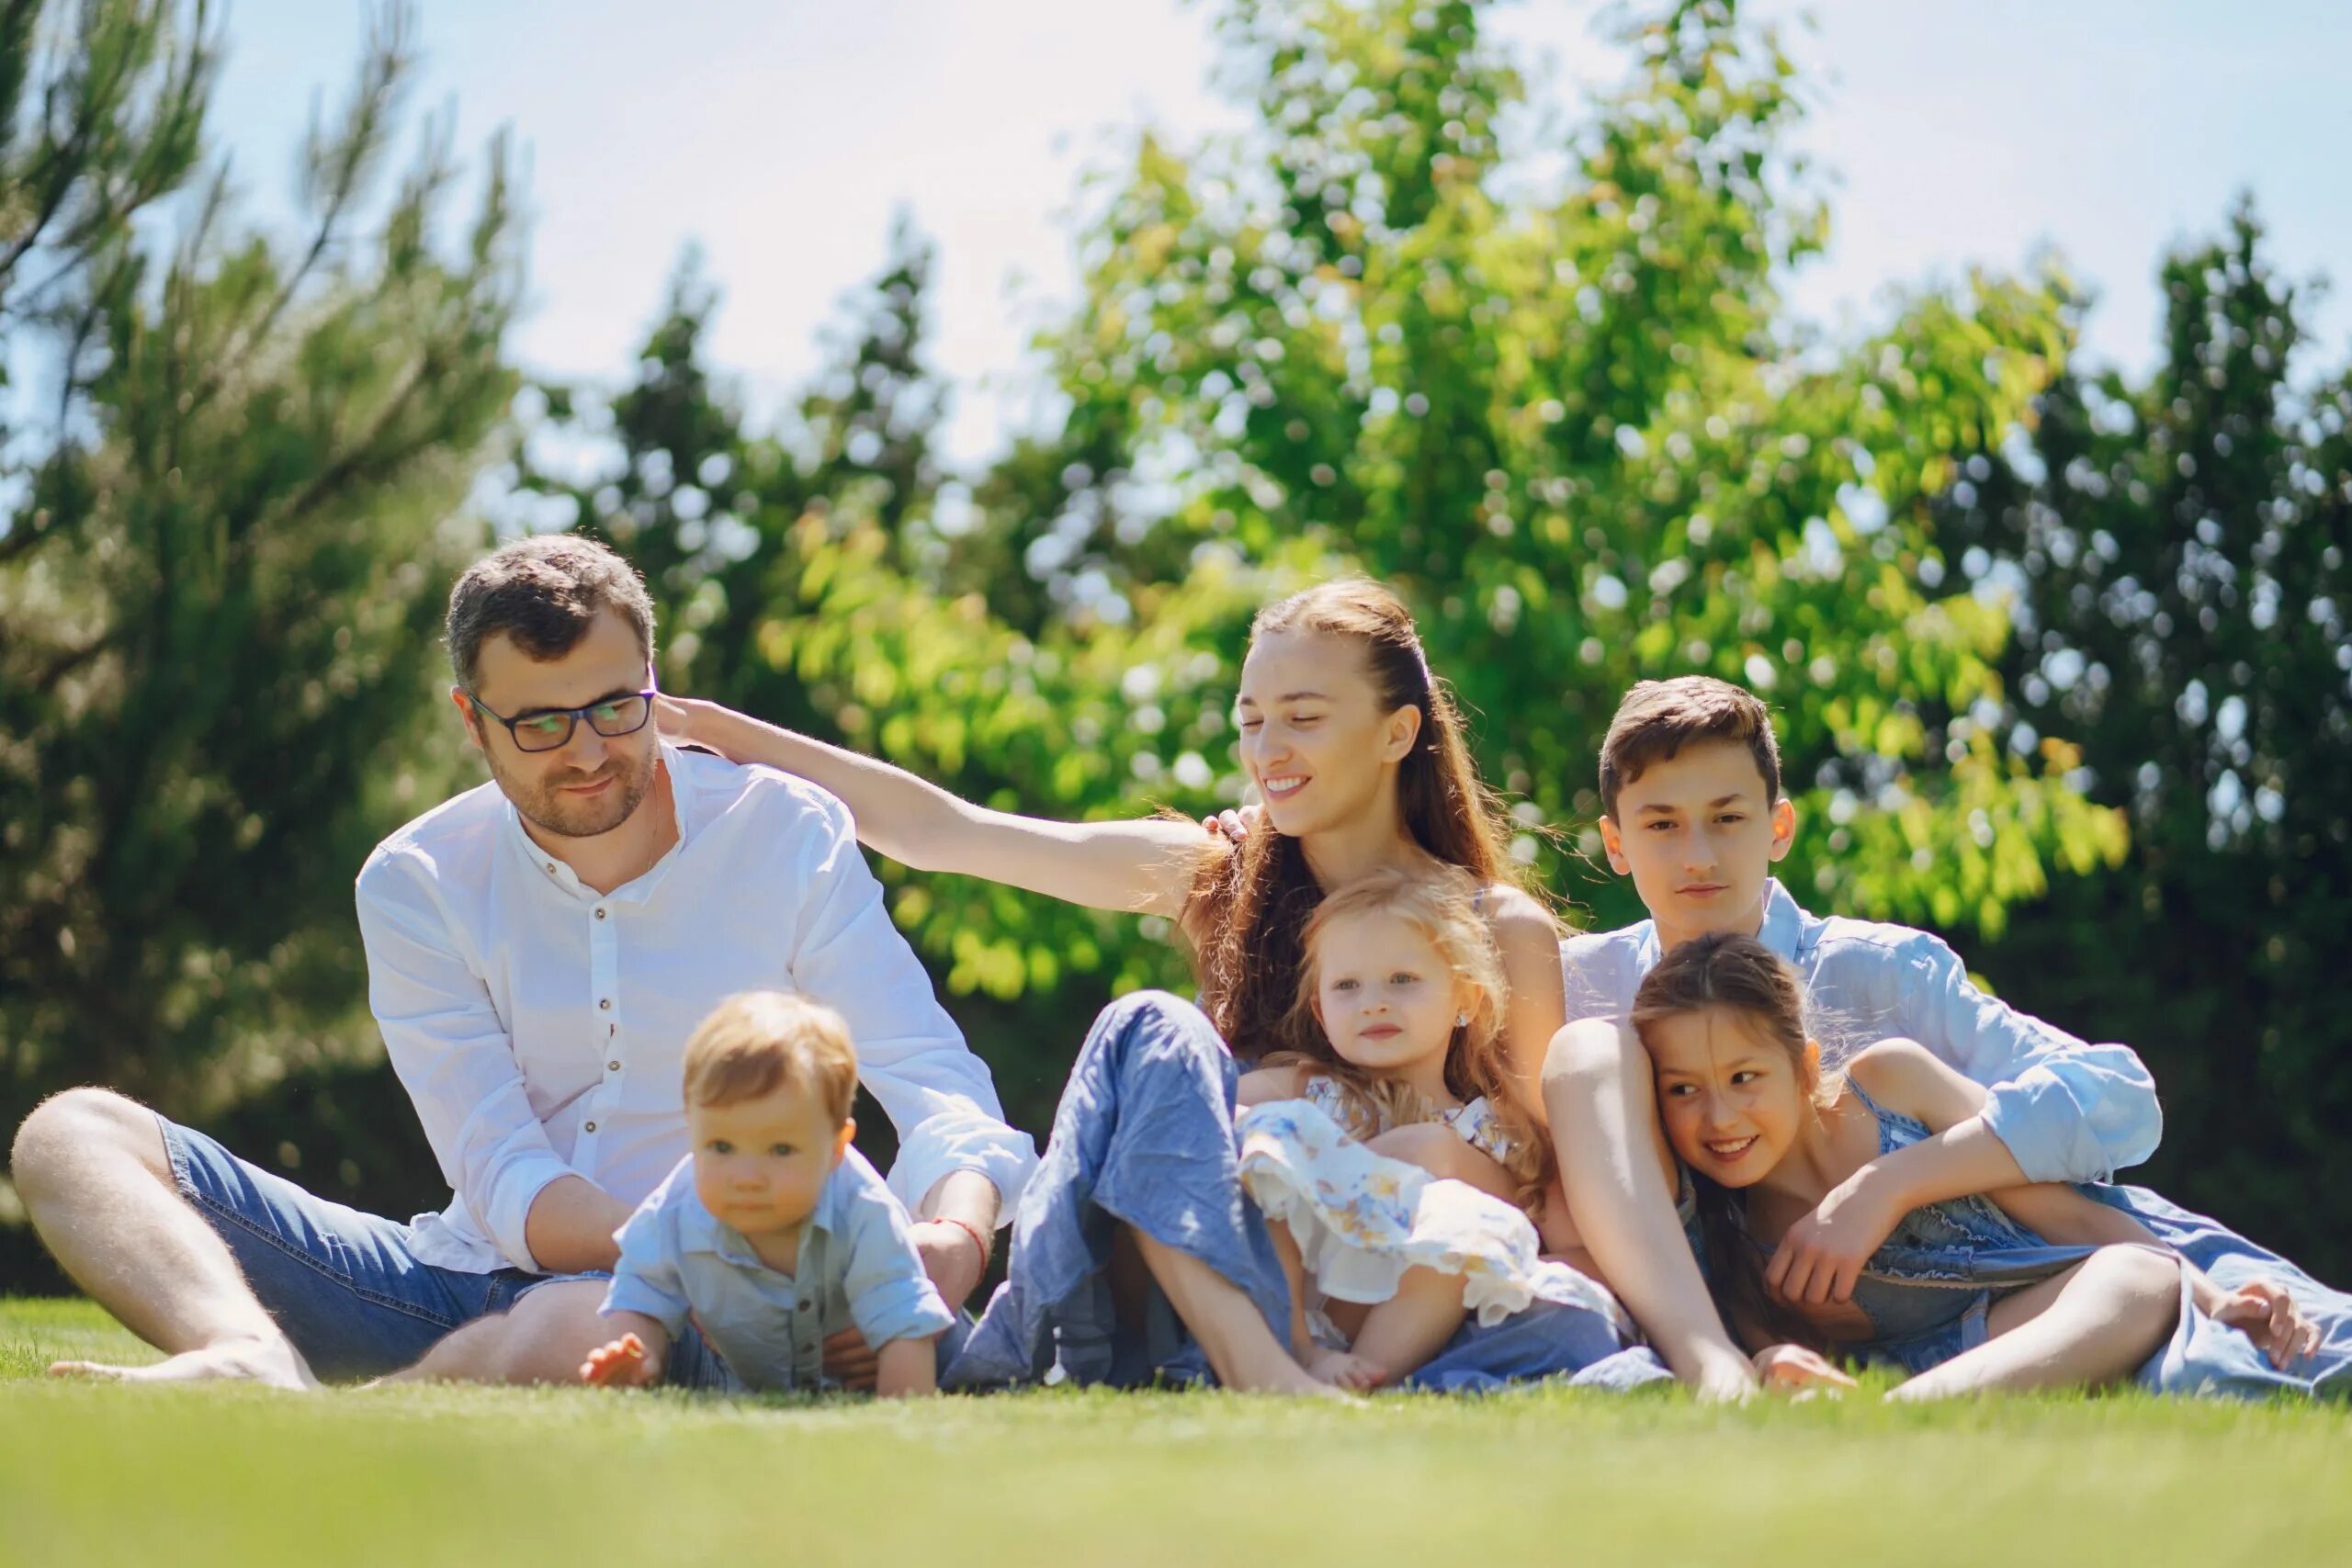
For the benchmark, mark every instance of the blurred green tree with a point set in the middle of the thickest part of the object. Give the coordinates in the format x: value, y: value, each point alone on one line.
x: 234, y: 496
x: 2175, y: 548
x: 1570, y: 419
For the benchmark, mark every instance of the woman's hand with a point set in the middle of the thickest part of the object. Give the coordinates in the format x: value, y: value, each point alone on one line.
x: 680, y: 718
x: 1822, y: 1255
x: 1235, y: 825
x: 1792, y: 1369
x: 2266, y: 1314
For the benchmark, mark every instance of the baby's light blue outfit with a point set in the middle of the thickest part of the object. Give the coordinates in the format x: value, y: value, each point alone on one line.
x: 1928, y: 1286
x: 1144, y: 1137
x: 858, y: 1267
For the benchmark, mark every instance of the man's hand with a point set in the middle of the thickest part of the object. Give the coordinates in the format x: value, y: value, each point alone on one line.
x: 1819, y: 1258
x: 851, y: 1361
x: 2266, y: 1314
x: 954, y: 1262
x: 570, y: 1224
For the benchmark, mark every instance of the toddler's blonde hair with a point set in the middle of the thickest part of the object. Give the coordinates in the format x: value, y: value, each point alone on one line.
x: 756, y: 1042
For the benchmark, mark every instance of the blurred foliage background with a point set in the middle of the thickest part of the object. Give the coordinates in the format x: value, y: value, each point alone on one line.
x: 2059, y: 655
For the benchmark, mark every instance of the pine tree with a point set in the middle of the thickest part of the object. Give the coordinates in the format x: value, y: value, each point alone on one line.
x: 235, y: 504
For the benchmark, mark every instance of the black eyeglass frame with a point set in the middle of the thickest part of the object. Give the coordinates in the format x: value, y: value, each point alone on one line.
x: 574, y: 715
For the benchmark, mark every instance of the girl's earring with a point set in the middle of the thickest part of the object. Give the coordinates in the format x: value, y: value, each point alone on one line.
x: 1461, y: 1021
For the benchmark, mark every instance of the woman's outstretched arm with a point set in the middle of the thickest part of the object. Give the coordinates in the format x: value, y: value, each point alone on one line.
x: 1140, y: 866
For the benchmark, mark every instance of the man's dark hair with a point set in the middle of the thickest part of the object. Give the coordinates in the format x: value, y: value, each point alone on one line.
x: 544, y: 592
x: 1658, y: 718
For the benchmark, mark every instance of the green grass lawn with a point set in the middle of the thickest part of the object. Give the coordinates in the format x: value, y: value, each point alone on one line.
x: 100, y: 1474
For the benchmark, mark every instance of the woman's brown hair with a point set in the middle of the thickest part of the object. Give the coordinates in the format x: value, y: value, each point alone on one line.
x: 1246, y: 916
x: 1441, y: 904
x: 1741, y: 975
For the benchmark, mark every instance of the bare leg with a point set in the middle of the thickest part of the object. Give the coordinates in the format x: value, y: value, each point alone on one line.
x: 1302, y: 1339
x: 544, y: 1339
x: 2092, y: 1324
x: 1614, y: 1163
x: 1411, y: 1327
x: 1441, y: 1151
x: 97, y: 1182
x: 1438, y: 1150
x: 1242, y: 1349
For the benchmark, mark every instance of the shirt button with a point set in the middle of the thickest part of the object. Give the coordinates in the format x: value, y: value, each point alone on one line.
x: 806, y: 1305
x: 611, y: 1067
x: 600, y: 914
x: 591, y: 1126
x: 551, y: 868
x: 606, y: 1003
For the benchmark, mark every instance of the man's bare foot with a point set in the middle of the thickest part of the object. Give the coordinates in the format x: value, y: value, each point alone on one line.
x: 272, y: 1363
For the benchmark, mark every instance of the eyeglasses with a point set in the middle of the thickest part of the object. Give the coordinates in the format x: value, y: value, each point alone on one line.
x: 545, y: 729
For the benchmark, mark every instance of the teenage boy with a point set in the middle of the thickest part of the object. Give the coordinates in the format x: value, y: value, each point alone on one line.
x: 1692, y: 811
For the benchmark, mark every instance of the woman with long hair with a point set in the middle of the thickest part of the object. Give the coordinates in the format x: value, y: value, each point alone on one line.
x: 1359, y: 757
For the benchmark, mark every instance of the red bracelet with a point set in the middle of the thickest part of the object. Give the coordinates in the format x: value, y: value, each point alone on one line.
x: 973, y: 1231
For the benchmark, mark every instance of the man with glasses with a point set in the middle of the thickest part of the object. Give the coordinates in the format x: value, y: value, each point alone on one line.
x: 539, y: 950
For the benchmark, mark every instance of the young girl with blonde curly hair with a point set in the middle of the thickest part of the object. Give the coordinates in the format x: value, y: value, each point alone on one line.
x: 1400, y: 1080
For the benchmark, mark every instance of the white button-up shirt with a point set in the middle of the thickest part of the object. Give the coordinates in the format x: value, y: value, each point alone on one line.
x: 540, y: 1026
x: 2067, y: 1111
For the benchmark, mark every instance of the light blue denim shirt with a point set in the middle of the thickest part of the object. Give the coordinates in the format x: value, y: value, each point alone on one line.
x: 858, y: 1266
x: 2067, y: 1109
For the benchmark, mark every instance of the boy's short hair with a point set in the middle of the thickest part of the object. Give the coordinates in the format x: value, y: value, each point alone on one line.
x: 544, y: 592
x: 1658, y: 718
x: 757, y: 1042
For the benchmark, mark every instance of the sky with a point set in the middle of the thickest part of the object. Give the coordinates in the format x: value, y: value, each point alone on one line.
x: 782, y: 137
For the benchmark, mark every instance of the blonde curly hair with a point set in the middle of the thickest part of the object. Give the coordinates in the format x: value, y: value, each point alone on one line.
x: 1441, y: 902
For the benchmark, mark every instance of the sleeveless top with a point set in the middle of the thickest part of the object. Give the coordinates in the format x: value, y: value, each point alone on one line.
x: 1475, y: 1124
x: 1942, y: 1261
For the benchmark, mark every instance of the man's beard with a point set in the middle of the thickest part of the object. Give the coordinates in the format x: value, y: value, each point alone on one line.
x: 544, y: 805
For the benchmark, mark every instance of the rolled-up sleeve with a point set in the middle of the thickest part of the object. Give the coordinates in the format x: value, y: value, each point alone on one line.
x: 2068, y: 1111
x: 648, y: 1279
x: 891, y: 1296
x: 454, y: 1056
x: 940, y: 1097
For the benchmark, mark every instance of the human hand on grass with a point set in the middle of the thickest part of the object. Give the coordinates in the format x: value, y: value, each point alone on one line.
x: 1822, y: 1255
x: 2264, y: 1312
x: 1792, y: 1369
x: 623, y: 1363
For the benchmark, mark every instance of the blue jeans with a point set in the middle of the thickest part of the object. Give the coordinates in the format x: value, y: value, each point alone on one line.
x: 347, y: 1287
x: 1144, y: 1138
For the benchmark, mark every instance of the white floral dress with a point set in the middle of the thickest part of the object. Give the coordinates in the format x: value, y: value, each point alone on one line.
x: 1362, y: 1219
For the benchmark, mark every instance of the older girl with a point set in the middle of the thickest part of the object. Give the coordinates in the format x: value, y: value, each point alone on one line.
x: 2027, y: 1287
